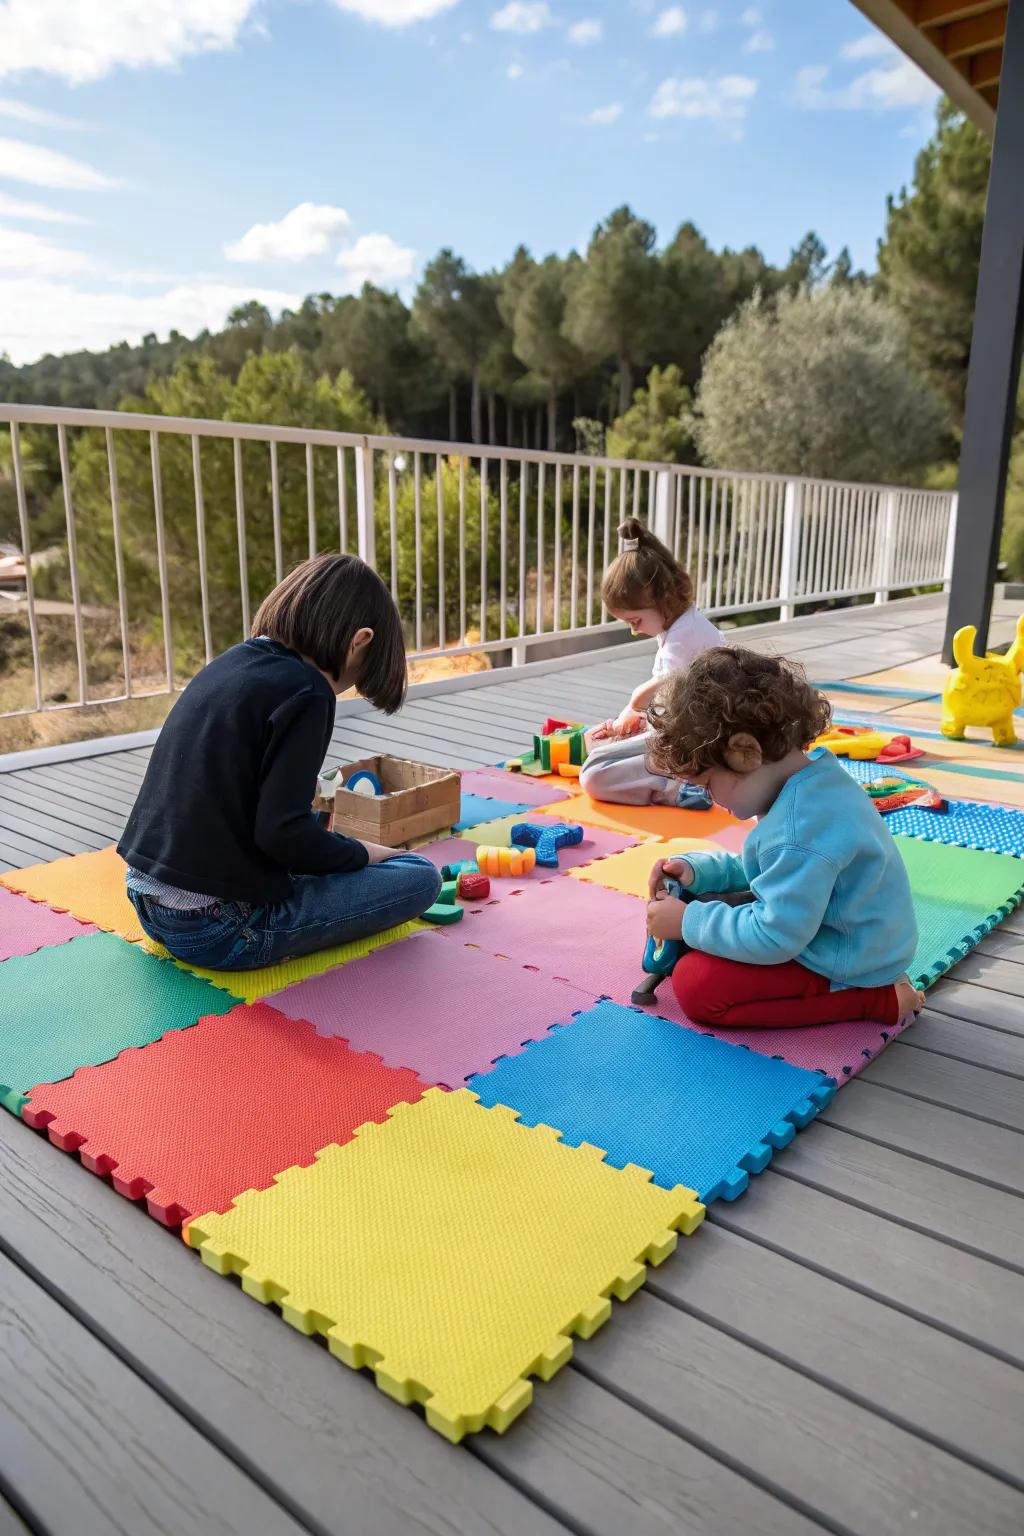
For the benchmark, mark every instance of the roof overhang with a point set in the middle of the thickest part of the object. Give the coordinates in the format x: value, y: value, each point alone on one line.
x: 958, y: 44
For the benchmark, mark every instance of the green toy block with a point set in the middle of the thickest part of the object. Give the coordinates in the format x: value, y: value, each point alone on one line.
x: 451, y: 872
x: 577, y: 749
x: 443, y: 912
x: 449, y: 892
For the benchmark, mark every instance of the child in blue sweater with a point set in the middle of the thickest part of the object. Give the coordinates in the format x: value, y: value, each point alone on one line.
x: 828, y: 928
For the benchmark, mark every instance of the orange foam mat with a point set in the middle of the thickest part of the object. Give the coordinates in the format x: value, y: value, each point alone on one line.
x: 663, y: 821
x: 88, y: 885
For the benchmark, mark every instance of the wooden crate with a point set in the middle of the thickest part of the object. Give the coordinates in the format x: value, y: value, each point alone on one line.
x: 417, y: 803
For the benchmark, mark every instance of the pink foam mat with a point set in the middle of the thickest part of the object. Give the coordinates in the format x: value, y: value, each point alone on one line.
x: 838, y: 1050
x: 26, y: 925
x: 495, y: 784
x: 587, y: 935
x: 598, y: 843
x: 732, y: 838
x: 444, y: 1010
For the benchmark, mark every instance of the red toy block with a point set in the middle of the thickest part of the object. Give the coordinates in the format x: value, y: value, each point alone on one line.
x: 203, y: 1114
x: 473, y: 887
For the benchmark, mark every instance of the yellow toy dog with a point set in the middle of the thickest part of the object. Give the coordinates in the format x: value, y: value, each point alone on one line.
x: 983, y: 690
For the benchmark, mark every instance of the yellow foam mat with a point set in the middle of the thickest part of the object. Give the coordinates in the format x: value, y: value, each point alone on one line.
x: 452, y: 1250
x: 249, y: 986
x: 630, y: 870
x: 88, y: 885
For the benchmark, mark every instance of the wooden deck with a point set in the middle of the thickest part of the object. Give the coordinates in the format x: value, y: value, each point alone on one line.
x: 840, y: 1350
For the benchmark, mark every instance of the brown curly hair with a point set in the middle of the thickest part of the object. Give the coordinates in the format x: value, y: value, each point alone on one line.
x: 725, y: 691
x: 648, y: 577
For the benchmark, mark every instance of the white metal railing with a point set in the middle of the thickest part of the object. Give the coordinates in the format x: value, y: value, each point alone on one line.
x: 175, y: 528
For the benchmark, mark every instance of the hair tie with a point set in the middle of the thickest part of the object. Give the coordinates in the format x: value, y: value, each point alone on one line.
x: 630, y: 544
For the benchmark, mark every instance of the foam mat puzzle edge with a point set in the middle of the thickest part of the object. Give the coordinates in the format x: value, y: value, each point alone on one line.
x: 391, y: 1375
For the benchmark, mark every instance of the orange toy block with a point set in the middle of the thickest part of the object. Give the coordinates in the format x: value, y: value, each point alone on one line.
x: 507, y: 862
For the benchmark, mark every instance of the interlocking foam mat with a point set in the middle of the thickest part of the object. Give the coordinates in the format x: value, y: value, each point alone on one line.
x: 90, y: 886
x: 692, y: 1109
x: 520, y: 788
x: 26, y: 926
x: 450, y: 1249
x: 960, y: 894
x: 250, y: 986
x: 598, y: 842
x: 838, y: 1051
x: 82, y: 1002
x: 650, y: 820
x: 442, y: 1009
x: 966, y: 824
x: 203, y: 1114
x: 630, y: 871
x: 586, y: 934
x: 476, y: 809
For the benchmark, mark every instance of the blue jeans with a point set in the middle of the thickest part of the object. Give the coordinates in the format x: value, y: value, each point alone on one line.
x: 320, y: 912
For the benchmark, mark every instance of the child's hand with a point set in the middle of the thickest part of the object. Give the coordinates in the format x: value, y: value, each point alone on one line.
x: 629, y: 723
x: 669, y: 869
x: 603, y: 732
x: 665, y: 917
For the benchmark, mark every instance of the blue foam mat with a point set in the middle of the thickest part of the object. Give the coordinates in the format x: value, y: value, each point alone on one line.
x: 475, y: 810
x: 692, y: 1109
x: 966, y: 824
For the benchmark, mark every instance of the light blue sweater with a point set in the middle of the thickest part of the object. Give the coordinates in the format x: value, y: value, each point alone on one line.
x: 830, y: 887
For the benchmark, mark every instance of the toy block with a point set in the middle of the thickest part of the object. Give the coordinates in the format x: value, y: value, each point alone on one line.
x: 558, y: 750
x: 456, y: 1252
x: 569, y: 770
x: 473, y: 886
x: 462, y: 867
x: 505, y: 863
x: 443, y: 912
x: 449, y: 890
x: 546, y: 839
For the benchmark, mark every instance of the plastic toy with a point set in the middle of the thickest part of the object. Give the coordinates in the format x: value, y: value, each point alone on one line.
x: 364, y: 782
x: 443, y: 912
x: 660, y: 956
x: 899, y: 750
x: 506, y: 862
x: 553, y: 748
x: 463, y: 867
x: 546, y: 840
x: 852, y: 741
x: 473, y: 886
x: 894, y: 794
x: 983, y: 690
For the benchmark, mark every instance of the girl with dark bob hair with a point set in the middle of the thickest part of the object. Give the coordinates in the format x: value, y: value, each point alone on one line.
x: 228, y: 866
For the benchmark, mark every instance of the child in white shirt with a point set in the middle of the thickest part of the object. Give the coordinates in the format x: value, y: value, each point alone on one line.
x: 647, y: 588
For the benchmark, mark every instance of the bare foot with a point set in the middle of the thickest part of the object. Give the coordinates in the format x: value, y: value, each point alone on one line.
x: 910, y: 1000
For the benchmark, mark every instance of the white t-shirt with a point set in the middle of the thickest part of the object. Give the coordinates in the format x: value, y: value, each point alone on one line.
x: 683, y: 641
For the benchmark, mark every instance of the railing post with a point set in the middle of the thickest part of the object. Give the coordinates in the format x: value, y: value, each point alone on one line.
x: 662, y: 521
x: 947, y: 563
x: 791, y: 516
x: 885, y: 539
x: 366, y: 525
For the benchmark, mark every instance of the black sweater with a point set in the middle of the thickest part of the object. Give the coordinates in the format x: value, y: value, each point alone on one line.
x: 224, y: 808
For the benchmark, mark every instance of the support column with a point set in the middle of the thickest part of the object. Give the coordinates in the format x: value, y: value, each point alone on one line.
x: 994, y: 370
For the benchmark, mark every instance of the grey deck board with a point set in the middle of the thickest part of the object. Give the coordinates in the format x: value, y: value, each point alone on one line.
x: 11, y: 1523
x: 841, y: 1349
x: 88, y: 1446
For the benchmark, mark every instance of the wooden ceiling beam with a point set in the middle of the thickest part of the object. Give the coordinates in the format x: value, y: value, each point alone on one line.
x: 985, y: 68
x: 973, y: 35
x: 939, y: 13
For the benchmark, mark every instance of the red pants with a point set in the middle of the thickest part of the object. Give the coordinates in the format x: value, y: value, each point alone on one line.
x: 733, y: 995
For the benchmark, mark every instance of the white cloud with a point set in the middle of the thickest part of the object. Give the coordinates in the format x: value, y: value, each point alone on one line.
x: 522, y: 16
x: 514, y: 72
x: 752, y: 16
x: 22, y: 112
x: 395, y: 13
x: 38, y: 316
x: 670, y: 23
x: 870, y: 45
x: 305, y: 231
x: 376, y: 259
x: 604, y: 115
x: 82, y: 42
x: 760, y: 41
x: 584, y: 32
x: 21, y: 251
x: 887, y: 88
x: 14, y: 208
x: 707, y: 21
x: 46, y: 168
x: 724, y: 100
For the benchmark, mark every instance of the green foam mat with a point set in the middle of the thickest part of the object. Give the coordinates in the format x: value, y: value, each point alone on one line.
x: 960, y: 894
x: 79, y: 1004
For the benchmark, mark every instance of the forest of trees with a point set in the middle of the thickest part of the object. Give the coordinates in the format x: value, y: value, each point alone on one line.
x: 676, y: 353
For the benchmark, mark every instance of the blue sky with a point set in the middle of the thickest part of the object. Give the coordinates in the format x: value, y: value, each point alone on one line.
x: 160, y: 163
